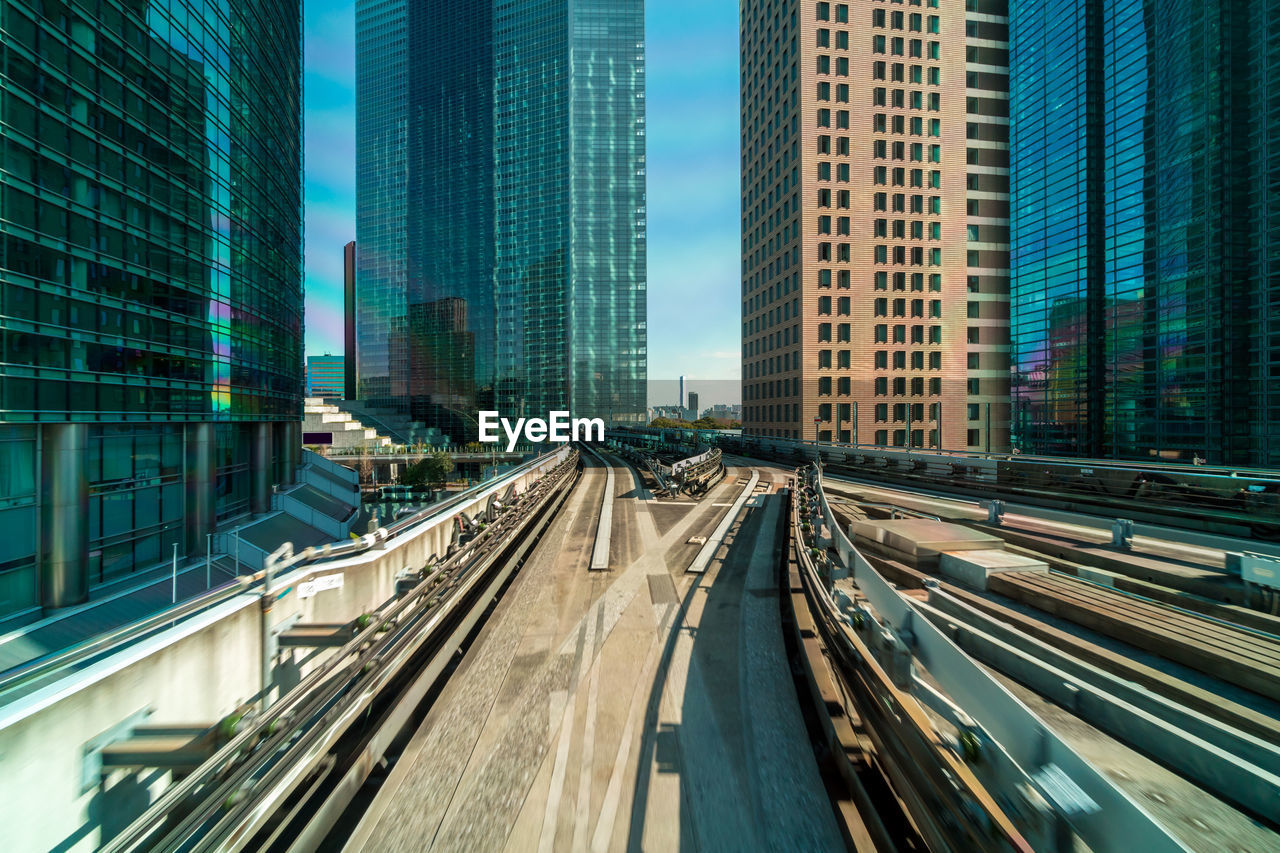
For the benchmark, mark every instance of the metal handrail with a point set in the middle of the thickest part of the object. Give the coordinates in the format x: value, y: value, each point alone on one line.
x: 132, y: 632
x: 1028, y: 741
x: 351, y: 659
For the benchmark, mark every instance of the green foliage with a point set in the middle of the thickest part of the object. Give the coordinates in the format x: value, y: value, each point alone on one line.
x: 706, y: 423
x: 668, y: 423
x: 432, y: 470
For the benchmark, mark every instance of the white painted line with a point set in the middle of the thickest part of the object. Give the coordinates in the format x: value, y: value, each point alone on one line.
x: 703, y: 559
x: 550, y: 816
x: 582, y: 807
x: 602, y: 840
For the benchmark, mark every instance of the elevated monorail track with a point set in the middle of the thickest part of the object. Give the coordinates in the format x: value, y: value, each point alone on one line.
x: 286, y: 774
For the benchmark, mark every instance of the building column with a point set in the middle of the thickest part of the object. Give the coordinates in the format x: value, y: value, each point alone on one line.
x: 261, y: 468
x: 201, y: 477
x: 289, y: 438
x: 64, y: 505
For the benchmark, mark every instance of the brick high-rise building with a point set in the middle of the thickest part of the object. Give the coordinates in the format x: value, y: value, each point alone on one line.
x: 875, y: 222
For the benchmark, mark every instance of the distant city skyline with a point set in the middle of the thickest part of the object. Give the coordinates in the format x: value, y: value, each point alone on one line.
x: 692, y: 158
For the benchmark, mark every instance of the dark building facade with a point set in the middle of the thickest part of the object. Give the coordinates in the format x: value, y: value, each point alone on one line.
x: 349, y: 321
x: 1145, y: 154
x: 500, y: 209
x: 150, y: 283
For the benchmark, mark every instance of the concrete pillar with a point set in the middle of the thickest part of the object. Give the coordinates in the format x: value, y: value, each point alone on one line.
x: 64, y: 545
x: 290, y: 451
x: 202, y: 506
x: 261, y: 468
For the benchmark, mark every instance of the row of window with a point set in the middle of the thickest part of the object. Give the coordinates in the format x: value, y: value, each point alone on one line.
x: 881, y: 307
x: 898, y: 46
x: 898, y: 124
x: 900, y: 177
x: 882, y: 150
x: 913, y: 22
x: 880, y: 228
x: 901, y: 256
x: 903, y: 99
x: 918, y: 334
x: 899, y: 357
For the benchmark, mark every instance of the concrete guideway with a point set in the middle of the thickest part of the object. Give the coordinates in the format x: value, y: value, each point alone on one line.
x: 604, y: 525
x: 637, y: 708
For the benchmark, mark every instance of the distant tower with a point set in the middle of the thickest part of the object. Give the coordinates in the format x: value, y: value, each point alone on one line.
x: 693, y: 405
x: 680, y: 401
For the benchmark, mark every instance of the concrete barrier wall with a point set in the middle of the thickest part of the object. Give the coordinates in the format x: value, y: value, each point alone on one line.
x: 196, y: 672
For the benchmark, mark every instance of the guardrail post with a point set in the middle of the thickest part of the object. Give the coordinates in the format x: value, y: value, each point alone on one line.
x: 995, y: 512
x: 1122, y: 533
x: 284, y: 552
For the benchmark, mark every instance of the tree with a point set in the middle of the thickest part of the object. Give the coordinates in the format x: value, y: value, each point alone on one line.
x: 668, y: 423
x: 364, y: 466
x: 431, y: 471
x: 706, y: 423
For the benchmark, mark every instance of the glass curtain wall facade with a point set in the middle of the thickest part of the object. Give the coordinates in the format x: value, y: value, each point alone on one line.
x: 500, y: 194
x: 150, y: 282
x: 1144, y: 174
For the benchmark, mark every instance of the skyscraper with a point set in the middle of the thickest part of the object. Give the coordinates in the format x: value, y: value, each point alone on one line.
x: 874, y: 222
x: 325, y: 375
x: 1145, y: 162
x: 349, y: 321
x: 500, y: 185
x: 150, y: 282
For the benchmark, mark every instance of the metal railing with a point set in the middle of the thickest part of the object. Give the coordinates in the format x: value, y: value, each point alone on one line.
x: 232, y: 794
x: 117, y: 638
x: 1115, y: 822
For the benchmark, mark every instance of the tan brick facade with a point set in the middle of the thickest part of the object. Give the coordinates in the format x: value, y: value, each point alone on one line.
x: 858, y: 258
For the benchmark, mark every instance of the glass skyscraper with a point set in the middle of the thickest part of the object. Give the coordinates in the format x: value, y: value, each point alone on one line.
x: 150, y: 282
x: 1145, y: 155
x: 500, y: 209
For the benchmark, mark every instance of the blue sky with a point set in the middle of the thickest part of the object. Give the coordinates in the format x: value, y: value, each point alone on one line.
x: 692, y: 102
